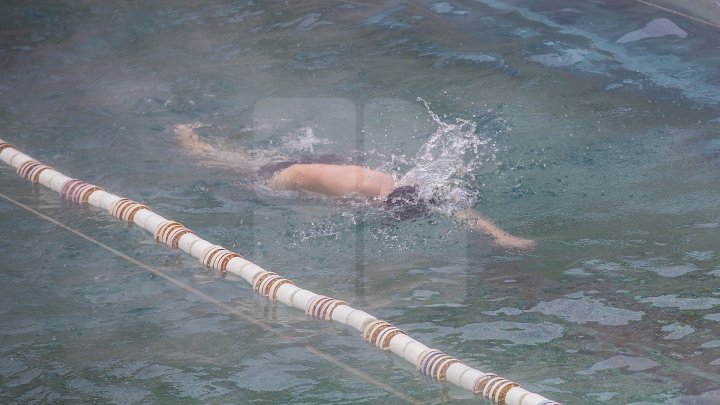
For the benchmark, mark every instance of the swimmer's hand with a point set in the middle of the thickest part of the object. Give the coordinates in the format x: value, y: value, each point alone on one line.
x: 515, y: 243
x: 503, y: 239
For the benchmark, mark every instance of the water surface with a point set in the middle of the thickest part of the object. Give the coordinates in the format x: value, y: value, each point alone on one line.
x: 604, y: 152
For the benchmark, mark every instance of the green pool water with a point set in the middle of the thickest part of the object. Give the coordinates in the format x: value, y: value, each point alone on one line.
x: 605, y: 153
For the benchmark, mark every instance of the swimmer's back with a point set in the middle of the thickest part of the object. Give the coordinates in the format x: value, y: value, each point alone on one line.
x: 334, y: 180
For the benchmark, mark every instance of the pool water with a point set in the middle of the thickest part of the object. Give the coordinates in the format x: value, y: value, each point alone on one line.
x: 605, y: 152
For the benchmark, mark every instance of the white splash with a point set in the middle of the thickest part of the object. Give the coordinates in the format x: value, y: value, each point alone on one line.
x: 446, y: 161
x: 303, y: 140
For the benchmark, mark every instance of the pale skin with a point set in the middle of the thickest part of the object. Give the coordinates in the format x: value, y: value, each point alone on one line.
x: 345, y: 181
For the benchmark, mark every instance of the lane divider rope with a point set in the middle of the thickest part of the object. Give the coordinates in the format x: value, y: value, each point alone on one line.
x: 285, y: 339
x: 430, y: 362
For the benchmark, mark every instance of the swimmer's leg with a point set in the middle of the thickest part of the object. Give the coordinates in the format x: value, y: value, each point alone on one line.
x: 242, y: 160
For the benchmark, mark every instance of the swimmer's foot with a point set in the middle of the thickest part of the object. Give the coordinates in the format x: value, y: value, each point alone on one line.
x: 188, y: 137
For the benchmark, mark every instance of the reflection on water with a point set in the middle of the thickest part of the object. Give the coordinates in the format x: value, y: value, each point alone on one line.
x: 590, y: 127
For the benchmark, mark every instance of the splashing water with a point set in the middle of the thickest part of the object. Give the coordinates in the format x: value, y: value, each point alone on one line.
x: 303, y: 140
x: 447, y: 161
x: 443, y: 169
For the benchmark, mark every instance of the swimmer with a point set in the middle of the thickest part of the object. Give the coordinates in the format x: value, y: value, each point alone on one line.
x: 340, y: 180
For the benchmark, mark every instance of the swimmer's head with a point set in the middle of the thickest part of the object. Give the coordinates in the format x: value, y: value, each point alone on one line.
x: 405, y: 203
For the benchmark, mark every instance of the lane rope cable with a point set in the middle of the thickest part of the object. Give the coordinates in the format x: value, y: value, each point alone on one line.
x: 680, y: 13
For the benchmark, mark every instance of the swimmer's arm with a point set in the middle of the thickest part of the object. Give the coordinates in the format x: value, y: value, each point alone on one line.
x: 476, y: 221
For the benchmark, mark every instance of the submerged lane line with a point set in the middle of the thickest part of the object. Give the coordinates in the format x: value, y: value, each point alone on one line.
x: 357, y: 373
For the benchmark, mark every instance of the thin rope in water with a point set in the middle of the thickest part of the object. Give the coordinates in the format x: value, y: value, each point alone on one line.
x: 231, y: 310
x: 430, y: 362
x: 681, y: 14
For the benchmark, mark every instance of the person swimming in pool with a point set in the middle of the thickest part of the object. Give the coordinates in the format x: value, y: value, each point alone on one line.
x: 339, y: 179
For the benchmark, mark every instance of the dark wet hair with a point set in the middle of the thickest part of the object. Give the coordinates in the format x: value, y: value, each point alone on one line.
x: 405, y: 203
x: 270, y: 169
